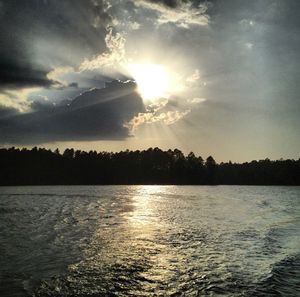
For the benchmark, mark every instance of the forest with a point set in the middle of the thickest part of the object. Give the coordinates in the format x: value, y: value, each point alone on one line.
x: 40, y: 166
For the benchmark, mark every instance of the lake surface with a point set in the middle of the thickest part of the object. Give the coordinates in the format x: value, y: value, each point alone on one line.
x: 149, y: 241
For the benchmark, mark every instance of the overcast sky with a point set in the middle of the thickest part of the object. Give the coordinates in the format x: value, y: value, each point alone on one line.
x: 232, y: 68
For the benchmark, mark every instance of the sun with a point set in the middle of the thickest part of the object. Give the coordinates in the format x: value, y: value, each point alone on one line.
x: 152, y: 80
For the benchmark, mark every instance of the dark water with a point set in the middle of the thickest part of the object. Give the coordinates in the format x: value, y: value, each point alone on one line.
x: 150, y: 241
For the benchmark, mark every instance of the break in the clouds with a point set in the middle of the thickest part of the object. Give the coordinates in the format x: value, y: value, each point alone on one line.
x: 224, y: 74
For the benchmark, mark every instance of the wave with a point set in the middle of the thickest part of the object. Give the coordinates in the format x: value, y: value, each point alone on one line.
x: 283, y: 280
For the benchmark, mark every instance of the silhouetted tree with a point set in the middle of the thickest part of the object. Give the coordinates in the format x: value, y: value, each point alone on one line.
x: 68, y: 153
x: 40, y: 166
x: 211, y: 170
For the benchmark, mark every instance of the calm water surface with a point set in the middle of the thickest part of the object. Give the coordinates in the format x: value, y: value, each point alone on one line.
x: 149, y: 241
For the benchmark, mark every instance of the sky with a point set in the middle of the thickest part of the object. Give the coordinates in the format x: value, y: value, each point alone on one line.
x: 216, y: 77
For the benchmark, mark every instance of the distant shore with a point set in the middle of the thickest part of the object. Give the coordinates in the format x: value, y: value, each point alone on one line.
x: 153, y: 166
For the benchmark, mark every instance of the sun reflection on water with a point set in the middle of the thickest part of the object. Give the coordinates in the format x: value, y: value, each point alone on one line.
x: 173, y: 241
x: 148, y: 229
x: 144, y: 201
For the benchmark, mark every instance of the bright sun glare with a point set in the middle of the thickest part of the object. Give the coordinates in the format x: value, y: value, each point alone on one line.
x: 152, y: 80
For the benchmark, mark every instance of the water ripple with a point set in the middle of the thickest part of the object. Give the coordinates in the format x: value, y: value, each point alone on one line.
x: 149, y: 241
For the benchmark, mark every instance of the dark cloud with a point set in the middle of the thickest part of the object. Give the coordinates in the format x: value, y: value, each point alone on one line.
x: 168, y: 3
x: 14, y: 75
x: 37, y: 35
x: 42, y: 105
x: 73, y: 85
x: 94, y: 115
x: 7, y: 111
x: 178, y: 3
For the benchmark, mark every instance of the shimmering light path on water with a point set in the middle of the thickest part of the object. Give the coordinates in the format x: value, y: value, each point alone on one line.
x: 150, y: 241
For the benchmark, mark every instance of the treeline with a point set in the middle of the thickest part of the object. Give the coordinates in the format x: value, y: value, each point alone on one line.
x: 40, y: 166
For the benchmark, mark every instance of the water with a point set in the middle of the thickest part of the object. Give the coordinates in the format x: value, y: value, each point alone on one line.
x: 149, y: 241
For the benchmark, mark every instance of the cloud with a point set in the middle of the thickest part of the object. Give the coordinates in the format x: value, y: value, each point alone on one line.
x: 160, y: 111
x: 194, y: 77
x: 39, y: 35
x: 55, y: 74
x: 112, y: 58
x: 14, y: 75
x: 168, y: 118
x: 249, y: 45
x: 7, y: 111
x: 16, y: 99
x: 73, y: 85
x: 44, y: 44
x: 172, y: 117
x: 94, y: 115
x: 134, y: 25
x: 181, y: 13
x: 41, y: 103
x: 196, y: 100
x: 247, y: 22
